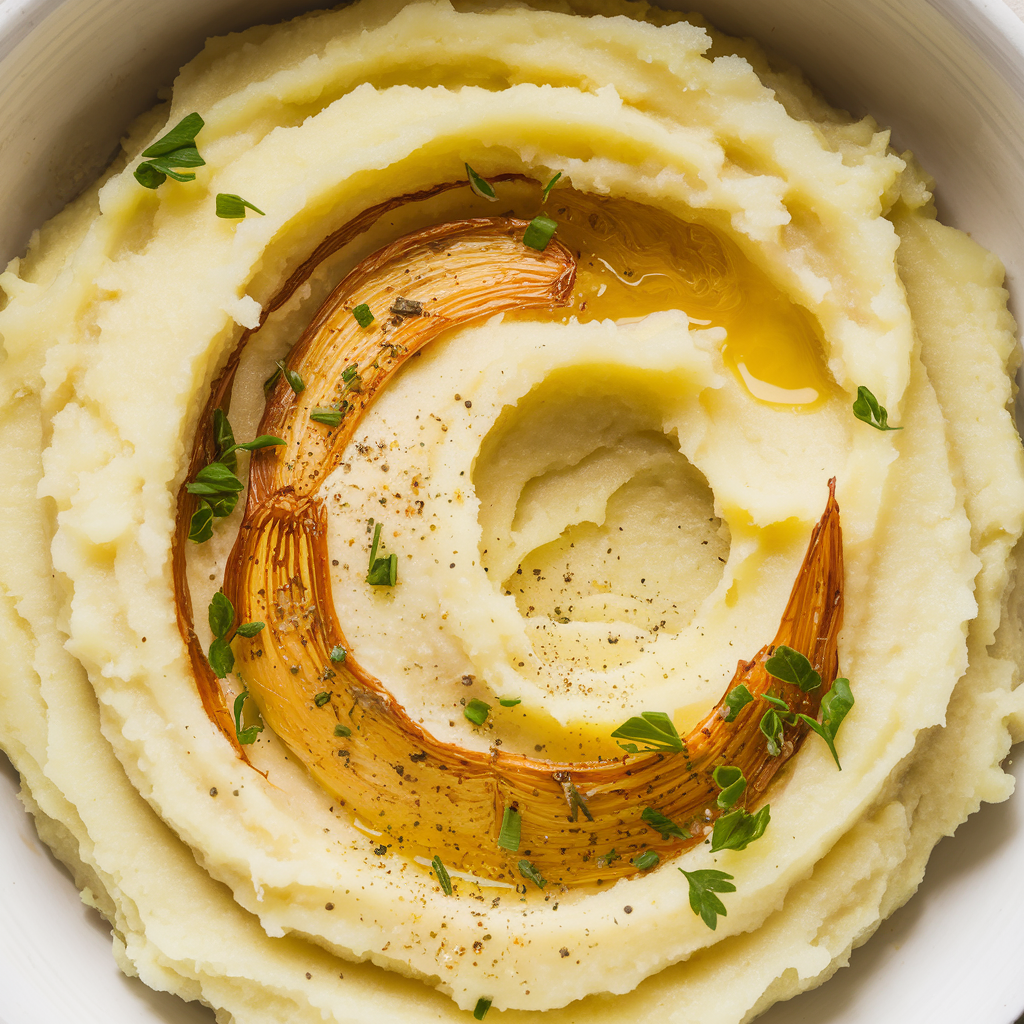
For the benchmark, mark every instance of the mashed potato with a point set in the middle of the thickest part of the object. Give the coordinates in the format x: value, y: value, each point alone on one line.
x: 597, y: 508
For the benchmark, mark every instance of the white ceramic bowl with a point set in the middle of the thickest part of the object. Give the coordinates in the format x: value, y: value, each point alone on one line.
x: 946, y: 75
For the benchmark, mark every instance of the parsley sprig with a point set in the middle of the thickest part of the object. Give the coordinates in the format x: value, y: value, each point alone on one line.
x: 481, y: 186
x: 222, y: 617
x: 730, y: 780
x: 653, y: 728
x: 739, y: 828
x: 175, y: 149
x: 249, y: 734
x: 703, y: 901
x: 738, y: 697
x: 477, y: 711
x: 511, y: 827
x: 384, y: 570
x: 217, y: 485
x: 792, y: 667
x: 531, y: 874
x: 232, y: 207
x: 835, y: 706
x: 666, y: 827
x: 867, y: 410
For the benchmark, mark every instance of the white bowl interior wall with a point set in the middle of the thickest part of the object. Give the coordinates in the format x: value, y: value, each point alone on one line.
x: 947, y: 75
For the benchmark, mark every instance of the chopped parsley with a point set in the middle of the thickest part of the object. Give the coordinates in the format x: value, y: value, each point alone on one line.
x: 834, y: 707
x: 442, y: 875
x: 477, y: 711
x: 328, y: 416
x: 175, y: 149
x: 653, y: 728
x: 531, y: 874
x: 338, y: 653
x: 295, y: 381
x: 792, y: 667
x: 216, y: 485
x: 221, y: 617
x: 364, y: 317
x: 540, y: 232
x: 549, y: 186
x: 321, y: 698
x: 572, y: 797
x: 605, y: 860
x: 509, y: 702
x: 739, y: 828
x: 703, y: 886
x: 247, y: 735
x: 732, y: 783
x: 667, y: 828
x: 483, y: 1004
x: 480, y: 186
x: 342, y: 730
x: 738, y: 697
x: 867, y: 409
x: 384, y: 570
x: 232, y: 207
x: 511, y: 825
x: 771, y: 727
x: 647, y: 860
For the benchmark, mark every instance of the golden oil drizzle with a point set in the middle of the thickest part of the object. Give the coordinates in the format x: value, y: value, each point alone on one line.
x: 634, y: 260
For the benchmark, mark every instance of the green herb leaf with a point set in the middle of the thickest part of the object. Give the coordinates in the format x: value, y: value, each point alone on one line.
x: 573, y: 797
x: 342, y: 730
x: 732, y: 783
x: 351, y: 379
x: 480, y: 186
x: 792, y: 667
x: 383, y: 571
x: 221, y: 614
x: 511, y: 825
x: 321, y: 698
x: 221, y: 657
x: 338, y: 653
x: 531, y: 874
x: 647, y: 860
x: 509, y: 702
x: 665, y: 826
x: 604, y: 861
x: 835, y: 706
x: 175, y: 149
x: 784, y: 712
x: 232, y: 207
x: 736, y: 698
x: 215, y: 480
x: 654, y: 728
x: 363, y: 314
x: 541, y: 230
x: 703, y: 901
x: 250, y: 629
x: 182, y: 134
x: 270, y: 382
x: 482, y: 1006
x: 224, y: 439
x: 295, y: 381
x: 263, y: 441
x: 245, y: 736
x: 200, y: 527
x: 867, y: 409
x: 549, y: 186
x: 442, y: 875
x: 771, y: 726
x: 738, y: 829
x: 328, y: 416
x: 477, y: 711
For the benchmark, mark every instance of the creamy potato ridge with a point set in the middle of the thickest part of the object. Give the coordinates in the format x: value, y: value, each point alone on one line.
x: 260, y: 894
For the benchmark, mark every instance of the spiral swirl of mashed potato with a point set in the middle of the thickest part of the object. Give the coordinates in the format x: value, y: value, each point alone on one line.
x: 597, y: 515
